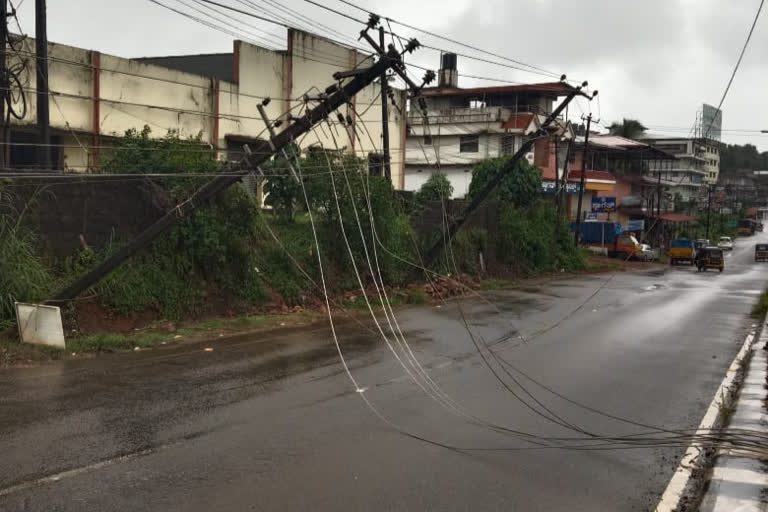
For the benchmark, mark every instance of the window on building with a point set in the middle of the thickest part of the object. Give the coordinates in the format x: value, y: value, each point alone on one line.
x: 469, y: 144
x: 427, y: 140
x: 507, y: 144
x: 475, y: 103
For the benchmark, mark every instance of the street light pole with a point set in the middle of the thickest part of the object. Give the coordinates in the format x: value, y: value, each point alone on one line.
x: 709, y: 208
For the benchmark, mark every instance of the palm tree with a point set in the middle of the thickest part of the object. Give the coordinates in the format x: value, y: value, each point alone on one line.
x: 628, y: 128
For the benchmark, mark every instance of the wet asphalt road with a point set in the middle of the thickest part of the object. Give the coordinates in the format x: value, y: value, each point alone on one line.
x: 274, y: 424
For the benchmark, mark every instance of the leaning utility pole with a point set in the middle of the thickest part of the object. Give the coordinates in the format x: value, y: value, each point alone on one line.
x: 41, y: 54
x: 509, y: 167
x: 4, y: 83
x: 385, y: 114
x: 334, y: 96
x: 581, y: 181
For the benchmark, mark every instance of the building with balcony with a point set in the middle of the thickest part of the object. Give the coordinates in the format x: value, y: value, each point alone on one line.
x: 696, y: 164
x: 616, y: 173
x: 464, y: 126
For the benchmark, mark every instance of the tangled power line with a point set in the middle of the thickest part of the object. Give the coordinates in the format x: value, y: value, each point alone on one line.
x: 516, y: 382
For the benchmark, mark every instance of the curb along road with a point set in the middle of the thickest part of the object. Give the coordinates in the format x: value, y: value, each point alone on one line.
x: 677, y: 492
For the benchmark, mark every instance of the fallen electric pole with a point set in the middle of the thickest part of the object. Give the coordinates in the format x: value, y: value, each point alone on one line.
x: 509, y: 167
x: 334, y: 97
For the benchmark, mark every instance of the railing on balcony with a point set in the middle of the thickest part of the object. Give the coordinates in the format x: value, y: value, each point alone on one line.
x: 461, y: 115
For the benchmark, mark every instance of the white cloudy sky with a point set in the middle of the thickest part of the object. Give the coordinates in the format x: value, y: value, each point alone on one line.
x: 654, y: 60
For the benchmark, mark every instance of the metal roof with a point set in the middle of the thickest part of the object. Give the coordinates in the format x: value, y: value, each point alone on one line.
x: 555, y: 89
x: 627, y: 148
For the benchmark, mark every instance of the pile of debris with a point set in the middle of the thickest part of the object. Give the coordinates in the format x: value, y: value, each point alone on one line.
x: 451, y: 286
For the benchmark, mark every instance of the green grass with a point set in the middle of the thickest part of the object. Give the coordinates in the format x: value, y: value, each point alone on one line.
x: 415, y: 297
x: 115, y: 342
x: 760, y: 309
x: 493, y: 283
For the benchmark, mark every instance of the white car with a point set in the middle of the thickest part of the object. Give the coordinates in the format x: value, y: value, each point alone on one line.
x: 647, y: 254
x: 725, y: 243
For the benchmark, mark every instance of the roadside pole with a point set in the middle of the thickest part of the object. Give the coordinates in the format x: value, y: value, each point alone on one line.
x: 41, y: 54
x: 4, y: 92
x: 385, y: 115
x: 709, y: 208
x: 581, y: 181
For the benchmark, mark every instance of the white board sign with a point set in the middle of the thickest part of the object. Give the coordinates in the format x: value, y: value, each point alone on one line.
x: 40, y: 325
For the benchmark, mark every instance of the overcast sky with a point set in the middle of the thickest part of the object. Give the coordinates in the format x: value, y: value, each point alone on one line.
x: 655, y: 60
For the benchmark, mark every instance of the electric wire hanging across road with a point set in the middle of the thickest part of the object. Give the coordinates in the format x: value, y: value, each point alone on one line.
x: 609, y: 442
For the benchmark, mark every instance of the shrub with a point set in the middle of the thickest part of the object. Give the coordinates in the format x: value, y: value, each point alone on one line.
x: 520, y: 187
x: 24, y: 275
x: 534, y: 239
x: 438, y: 187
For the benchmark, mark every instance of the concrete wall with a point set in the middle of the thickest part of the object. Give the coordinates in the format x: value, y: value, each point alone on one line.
x: 460, y: 178
x: 194, y: 105
x: 446, y: 148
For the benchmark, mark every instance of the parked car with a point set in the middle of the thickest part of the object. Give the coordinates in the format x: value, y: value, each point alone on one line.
x: 725, y: 243
x: 700, y: 243
x: 761, y: 252
x: 647, y: 253
x: 682, y: 249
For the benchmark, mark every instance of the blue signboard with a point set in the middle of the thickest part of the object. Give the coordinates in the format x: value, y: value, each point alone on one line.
x: 548, y: 187
x: 636, y: 225
x: 604, y: 204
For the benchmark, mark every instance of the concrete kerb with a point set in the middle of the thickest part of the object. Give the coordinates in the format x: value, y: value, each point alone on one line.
x: 738, y: 481
x: 682, y: 486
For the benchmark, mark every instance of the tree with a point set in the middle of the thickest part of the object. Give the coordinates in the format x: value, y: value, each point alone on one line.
x: 210, y: 247
x: 628, y: 128
x: 735, y: 157
x: 436, y: 188
x: 521, y: 187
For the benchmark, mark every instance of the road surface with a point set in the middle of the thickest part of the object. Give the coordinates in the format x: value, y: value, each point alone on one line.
x: 195, y: 430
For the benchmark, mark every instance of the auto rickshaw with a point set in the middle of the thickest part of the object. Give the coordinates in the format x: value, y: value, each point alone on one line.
x: 761, y: 252
x: 710, y: 257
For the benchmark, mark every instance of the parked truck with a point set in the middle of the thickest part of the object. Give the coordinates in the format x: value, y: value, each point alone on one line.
x: 609, y: 237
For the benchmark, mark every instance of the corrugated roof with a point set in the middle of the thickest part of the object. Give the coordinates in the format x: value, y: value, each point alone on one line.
x: 628, y: 146
x: 676, y: 217
x: 613, y: 141
x: 551, y: 88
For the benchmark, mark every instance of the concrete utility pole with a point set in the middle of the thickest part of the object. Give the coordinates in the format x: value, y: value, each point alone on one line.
x: 4, y: 92
x: 262, y: 151
x: 41, y: 54
x: 509, y: 167
x: 385, y: 114
x: 709, y: 208
x: 581, y: 181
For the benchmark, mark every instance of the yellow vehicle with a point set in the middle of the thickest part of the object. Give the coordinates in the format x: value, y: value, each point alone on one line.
x: 746, y: 227
x: 682, y: 249
x: 710, y: 257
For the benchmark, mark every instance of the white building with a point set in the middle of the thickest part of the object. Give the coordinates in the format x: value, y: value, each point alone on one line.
x: 95, y: 97
x: 697, y: 164
x: 464, y: 126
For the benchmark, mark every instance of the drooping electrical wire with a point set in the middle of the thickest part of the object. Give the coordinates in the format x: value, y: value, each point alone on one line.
x: 736, y: 67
